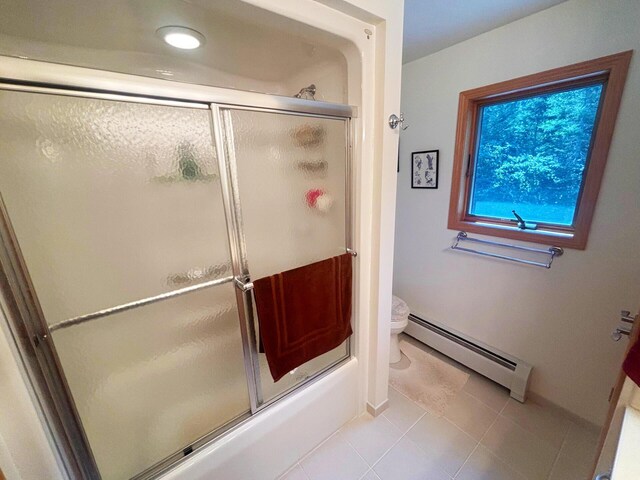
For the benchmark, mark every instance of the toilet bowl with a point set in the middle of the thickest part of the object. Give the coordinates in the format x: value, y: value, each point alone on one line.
x: 399, y: 321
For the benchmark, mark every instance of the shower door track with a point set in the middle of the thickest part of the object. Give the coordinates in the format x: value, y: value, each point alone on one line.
x: 80, y: 81
x: 27, y: 326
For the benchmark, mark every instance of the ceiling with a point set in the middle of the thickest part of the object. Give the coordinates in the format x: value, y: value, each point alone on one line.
x: 431, y: 25
x: 120, y: 35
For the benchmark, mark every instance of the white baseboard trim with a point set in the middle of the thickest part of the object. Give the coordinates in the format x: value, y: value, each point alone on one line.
x: 375, y: 411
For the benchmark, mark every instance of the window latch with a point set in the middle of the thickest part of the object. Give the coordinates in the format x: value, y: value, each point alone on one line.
x: 522, y: 225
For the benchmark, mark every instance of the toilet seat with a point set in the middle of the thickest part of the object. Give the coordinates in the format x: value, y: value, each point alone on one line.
x: 399, y: 321
x: 399, y: 310
x: 402, y: 324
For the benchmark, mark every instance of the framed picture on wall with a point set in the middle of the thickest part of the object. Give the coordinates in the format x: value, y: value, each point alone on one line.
x: 424, y: 169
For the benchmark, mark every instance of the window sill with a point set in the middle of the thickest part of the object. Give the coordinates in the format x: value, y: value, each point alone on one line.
x: 543, y: 236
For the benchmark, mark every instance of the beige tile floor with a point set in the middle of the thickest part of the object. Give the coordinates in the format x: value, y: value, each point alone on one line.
x: 484, y: 435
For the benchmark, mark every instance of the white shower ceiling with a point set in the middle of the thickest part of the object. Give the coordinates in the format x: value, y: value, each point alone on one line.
x: 431, y: 25
x: 241, y: 40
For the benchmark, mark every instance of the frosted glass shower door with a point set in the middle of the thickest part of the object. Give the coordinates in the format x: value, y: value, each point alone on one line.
x: 117, y: 210
x: 291, y: 173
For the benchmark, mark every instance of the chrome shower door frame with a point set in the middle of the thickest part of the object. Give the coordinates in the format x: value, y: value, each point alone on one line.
x: 27, y: 326
x: 225, y: 145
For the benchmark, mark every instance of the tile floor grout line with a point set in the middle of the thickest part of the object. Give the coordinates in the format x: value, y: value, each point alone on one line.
x: 482, y: 401
x: 306, y: 475
x: 288, y: 471
x: 299, y: 462
x: 424, y: 412
x: 397, y: 441
x: 303, y: 470
x: 387, y: 450
x: 539, y: 437
x: 355, y: 449
x: 480, y: 441
x: 498, y: 412
x: 555, y: 461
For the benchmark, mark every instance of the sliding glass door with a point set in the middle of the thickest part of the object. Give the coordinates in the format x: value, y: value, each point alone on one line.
x: 290, y: 176
x: 129, y: 228
x: 117, y: 211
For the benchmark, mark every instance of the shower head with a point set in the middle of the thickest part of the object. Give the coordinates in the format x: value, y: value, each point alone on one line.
x: 307, y: 93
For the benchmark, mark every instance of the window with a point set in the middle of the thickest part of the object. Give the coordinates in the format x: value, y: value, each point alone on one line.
x: 530, y: 153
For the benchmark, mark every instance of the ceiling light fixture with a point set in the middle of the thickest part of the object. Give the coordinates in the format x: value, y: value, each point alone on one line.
x: 181, y: 37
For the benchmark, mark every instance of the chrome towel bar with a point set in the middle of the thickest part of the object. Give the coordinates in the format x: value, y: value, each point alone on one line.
x: 551, y: 251
x: 137, y: 303
x: 245, y: 285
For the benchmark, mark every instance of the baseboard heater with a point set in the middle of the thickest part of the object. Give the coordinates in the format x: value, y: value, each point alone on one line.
x: 500, y: 367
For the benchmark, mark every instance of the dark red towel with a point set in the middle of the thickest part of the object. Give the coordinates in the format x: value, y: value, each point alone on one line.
x: 631, y: 365
x: 304, y: 312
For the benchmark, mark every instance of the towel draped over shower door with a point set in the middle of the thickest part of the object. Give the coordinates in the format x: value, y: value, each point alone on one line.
x: 304, y: 312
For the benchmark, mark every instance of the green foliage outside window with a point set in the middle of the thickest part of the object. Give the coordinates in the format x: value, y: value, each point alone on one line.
x: 532, y: 153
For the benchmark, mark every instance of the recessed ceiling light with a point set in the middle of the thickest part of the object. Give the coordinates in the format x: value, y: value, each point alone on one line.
x: 181, y: 37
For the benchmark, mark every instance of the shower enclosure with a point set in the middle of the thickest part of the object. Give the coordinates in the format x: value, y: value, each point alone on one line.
x: 133, y: 214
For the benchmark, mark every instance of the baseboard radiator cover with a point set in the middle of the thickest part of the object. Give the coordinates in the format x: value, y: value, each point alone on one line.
x: 502, y: 368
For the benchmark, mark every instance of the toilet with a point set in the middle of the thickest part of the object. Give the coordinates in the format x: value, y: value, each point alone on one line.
x: 399, y: 321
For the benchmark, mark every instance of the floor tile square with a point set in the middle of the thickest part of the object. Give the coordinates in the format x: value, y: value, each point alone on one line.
x: 581, y: 443
x: 488, y: 392
x: 544, y: 422
x: 371, y: 436
x: 483, y: 465
x: 335, y: 459
x: 402, y: 411
x: 296, y: 473
x: 520, y: 449
x: 567, y: 468
x: 405, y: 461
x: 442, y: 442
x: 470, y: 415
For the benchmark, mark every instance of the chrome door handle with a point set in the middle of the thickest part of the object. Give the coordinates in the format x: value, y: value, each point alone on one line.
x: 603, y: 476
x: 617, y: 334
x: 625, y: 316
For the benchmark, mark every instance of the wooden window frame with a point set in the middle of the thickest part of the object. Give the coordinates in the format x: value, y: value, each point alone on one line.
x: 612, y: 72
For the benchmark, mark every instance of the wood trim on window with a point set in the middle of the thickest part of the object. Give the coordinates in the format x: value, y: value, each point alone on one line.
x: 612, y: 70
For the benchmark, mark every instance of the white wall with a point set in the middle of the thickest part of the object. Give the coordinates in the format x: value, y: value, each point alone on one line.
x: 558, y: 320
x: 375, y: 89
